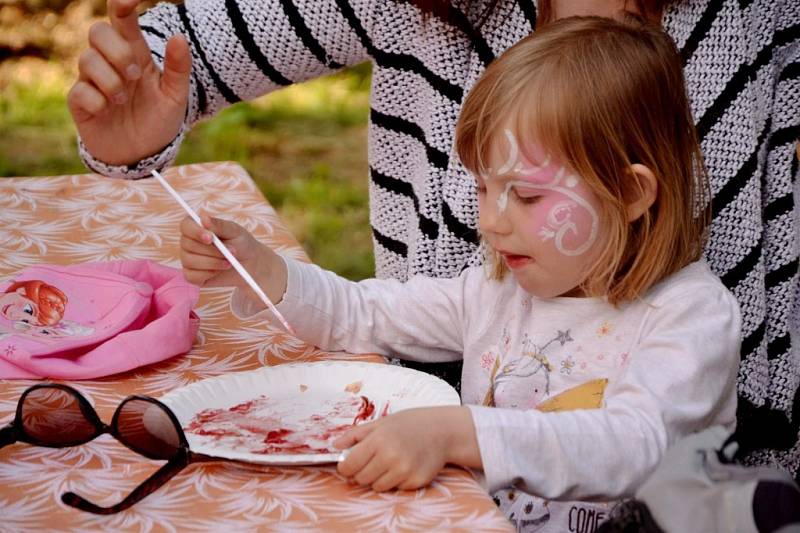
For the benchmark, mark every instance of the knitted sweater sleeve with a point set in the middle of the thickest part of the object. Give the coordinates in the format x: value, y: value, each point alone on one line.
x: 242, y: 49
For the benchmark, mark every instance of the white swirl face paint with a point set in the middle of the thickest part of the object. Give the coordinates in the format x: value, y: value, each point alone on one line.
x: 565, y: 218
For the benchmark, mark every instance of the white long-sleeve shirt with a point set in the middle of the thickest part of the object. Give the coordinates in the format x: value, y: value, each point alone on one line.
x: 572, y: 399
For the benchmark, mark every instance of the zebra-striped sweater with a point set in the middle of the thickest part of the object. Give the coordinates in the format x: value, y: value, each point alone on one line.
x: 742, y: 64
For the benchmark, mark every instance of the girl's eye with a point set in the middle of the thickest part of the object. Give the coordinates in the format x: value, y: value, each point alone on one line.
x: 526, y: 197
x: 28, y: 309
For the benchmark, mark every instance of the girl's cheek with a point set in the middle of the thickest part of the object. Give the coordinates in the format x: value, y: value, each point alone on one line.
x: 581, y: 220
x: 568, y: 222
x: 536, y: 226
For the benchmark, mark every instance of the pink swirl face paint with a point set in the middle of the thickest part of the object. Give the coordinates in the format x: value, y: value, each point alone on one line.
x: 570, y: 220
x: 541, y: 218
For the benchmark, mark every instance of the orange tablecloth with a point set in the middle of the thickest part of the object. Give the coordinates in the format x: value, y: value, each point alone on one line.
x: 72, y: 219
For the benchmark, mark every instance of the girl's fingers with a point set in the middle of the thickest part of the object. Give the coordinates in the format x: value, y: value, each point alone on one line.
x: 198, y: 277
x: 94, y: 68
x: 388, y: 481
x: 200, y: 248
x: 224, y: 229
x: 371, y: 472
x: 191, y: 230
x: 85, y: 101
x: 114, y: 49
x: 203, y: 262
x: 353, y: 436
x: 413, y: 482
x: 356, y: 460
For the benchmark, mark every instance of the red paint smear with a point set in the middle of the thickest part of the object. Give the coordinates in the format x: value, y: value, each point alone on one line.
x: 365, y: 411
x: 243, y: 407
x: 240, y: 427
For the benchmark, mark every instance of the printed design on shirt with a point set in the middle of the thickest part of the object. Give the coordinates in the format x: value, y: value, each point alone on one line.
x: 531, y: 361
x: 604, y: 329
x: 587, y: 395
x: 526, y: 512
x: 567, y: 364
x: 35, y: 309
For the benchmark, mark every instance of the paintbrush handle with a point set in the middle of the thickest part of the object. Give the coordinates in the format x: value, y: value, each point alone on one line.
x: 225, y: 252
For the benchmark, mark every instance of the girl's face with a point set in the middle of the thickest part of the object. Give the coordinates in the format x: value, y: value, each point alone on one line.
x: 540, y: 217
x: 14, y: 306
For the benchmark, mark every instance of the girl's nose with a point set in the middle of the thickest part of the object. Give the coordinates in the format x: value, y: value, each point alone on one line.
x: 492, y: 217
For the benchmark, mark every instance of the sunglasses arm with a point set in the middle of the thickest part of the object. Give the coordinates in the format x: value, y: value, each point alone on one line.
x: 8, y: 435
x: 148, y: 486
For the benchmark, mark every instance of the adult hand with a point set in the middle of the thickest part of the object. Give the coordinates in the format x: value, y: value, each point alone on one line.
x: 124, y: 108
x: 205, y: 266
x: 406, y: 450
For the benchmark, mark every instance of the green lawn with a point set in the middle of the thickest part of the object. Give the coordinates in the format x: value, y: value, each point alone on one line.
x: 305, y: 146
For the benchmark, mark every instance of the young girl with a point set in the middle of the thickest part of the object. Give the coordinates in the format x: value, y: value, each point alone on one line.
x: 596, y: 336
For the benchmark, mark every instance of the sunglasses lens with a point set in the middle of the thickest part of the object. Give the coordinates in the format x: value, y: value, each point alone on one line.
x: 147, y: 428
x: 54, y: 418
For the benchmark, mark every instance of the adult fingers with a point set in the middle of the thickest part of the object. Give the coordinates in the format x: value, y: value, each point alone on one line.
x: 177, y: 68
x: 125, y: 20
x: 94, y: 68
x: 85, y: 101
x: 115, y: 50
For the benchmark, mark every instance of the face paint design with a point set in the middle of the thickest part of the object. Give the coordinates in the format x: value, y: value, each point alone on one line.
x: 512, y: 164
x: 559, y: 220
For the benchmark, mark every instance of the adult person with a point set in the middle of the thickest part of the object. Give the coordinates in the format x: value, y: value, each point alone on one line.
x: 141, y: 87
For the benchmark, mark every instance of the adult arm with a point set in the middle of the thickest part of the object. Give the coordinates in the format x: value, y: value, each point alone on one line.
x: 240, y: 49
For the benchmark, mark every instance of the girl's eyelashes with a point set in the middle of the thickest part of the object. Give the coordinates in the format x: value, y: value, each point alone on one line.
x: 526, y: 196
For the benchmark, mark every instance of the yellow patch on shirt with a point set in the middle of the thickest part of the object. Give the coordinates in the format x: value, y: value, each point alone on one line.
x: 587, y: 395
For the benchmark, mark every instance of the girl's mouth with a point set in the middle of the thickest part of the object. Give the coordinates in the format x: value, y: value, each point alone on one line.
x: 516, y: 261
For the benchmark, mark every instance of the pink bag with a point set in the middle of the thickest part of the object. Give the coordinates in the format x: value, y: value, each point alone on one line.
x: 94, y: 319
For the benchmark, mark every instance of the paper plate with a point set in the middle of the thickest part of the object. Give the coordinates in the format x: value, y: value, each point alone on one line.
x: 241, y: 416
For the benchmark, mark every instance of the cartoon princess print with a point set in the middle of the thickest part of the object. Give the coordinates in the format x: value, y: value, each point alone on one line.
x: 36, y: 309
x: 530, y: 362
x: 507, y: 370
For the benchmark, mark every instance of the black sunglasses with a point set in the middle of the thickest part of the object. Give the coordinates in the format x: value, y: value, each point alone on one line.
x: 58, y: 416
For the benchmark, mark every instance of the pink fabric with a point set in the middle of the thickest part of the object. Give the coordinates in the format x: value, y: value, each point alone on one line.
x: 94, y: 319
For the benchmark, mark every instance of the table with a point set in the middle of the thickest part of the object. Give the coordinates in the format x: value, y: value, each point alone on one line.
x: 71, y: 219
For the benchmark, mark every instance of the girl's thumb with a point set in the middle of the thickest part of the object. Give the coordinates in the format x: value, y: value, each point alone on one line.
x: 177, y: 67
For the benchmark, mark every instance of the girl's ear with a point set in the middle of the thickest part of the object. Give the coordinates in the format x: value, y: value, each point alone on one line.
x: 643, y: 193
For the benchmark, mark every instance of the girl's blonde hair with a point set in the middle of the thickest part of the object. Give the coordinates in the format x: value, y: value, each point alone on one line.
x: 601, y: 95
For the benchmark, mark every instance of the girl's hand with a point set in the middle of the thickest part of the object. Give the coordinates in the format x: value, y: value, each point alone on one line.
x: 125, y: 109
x: 406, y: 450
x: 205, y: 266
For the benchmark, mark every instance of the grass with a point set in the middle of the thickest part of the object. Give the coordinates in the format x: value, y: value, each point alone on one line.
x: 305, y: 147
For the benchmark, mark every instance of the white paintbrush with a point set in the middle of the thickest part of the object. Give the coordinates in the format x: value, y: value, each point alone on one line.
x: 228, y: 255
